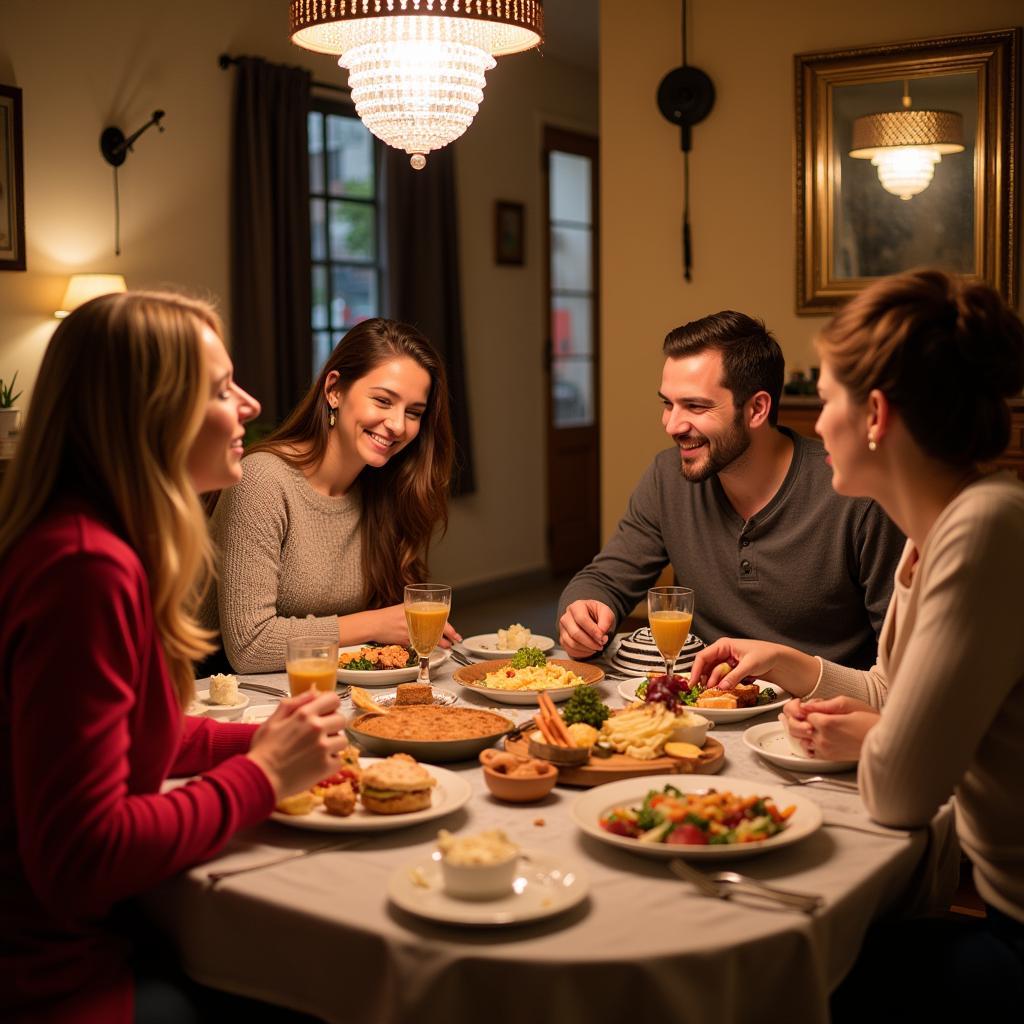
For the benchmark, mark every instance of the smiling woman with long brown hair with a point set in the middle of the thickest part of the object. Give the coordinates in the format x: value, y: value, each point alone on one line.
x: 338, y: 506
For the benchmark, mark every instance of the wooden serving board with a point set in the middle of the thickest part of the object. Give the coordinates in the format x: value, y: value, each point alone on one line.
x: 599, y: 770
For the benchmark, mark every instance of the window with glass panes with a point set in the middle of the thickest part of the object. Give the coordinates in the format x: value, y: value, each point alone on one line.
x: 345, y: 224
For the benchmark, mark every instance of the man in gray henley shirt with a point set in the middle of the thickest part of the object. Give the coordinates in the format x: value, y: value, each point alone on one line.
x: 745, y: 513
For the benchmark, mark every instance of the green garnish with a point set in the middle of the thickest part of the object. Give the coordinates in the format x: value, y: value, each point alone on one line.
x: 584, y: 705
x: 528, y: 657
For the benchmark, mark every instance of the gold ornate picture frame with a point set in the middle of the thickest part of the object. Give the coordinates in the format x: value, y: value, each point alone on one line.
x: 860, y: 213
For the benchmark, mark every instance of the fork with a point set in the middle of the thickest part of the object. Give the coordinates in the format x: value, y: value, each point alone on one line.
x: 843, y: 784
x: 216, y: 877
x: 724, y: 884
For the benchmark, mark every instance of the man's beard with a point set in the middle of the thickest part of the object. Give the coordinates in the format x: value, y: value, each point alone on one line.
x: 720, y: 452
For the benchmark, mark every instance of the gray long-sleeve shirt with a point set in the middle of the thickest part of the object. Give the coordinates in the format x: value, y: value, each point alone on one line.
x: 812, y: 569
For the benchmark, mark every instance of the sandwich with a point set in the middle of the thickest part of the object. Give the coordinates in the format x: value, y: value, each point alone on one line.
x: 396, y: 785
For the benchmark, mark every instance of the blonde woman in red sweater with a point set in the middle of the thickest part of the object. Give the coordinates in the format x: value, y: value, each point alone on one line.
x: 105, y: 553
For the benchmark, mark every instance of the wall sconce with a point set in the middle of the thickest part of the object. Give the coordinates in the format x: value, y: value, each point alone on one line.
x: 83, y: 287
x: 905, y: 145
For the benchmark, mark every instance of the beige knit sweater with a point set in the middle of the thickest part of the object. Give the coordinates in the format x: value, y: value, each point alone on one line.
x: 289, y: 563
x: 950, y: 673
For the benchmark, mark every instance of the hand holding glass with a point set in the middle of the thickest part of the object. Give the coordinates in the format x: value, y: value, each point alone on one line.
x: 311, y: 662
x: 670, y: 610
x: 426, y: 612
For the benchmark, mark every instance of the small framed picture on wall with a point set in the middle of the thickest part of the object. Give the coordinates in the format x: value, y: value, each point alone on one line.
x: 12, y: 181
x: 508, y: 233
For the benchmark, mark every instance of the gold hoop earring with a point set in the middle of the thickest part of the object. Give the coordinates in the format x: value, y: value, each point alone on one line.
x: 332, y: 417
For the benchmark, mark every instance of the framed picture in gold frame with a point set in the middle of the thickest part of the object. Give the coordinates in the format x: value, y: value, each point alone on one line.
x: 12, y: 181
x: 906, y: 154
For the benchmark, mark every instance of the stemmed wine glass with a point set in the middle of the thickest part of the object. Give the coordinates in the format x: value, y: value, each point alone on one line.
x: 426, y: 612
x: 670, y: 611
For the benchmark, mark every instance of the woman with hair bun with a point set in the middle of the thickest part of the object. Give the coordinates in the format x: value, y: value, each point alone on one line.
x: 105, y: 553
x: 916, y: 373
x: 338, y: 506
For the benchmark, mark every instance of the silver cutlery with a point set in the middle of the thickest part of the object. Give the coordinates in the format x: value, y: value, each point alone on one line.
x: 792, y: 779
x: 725, y: 884
x: 215, y: 877
x: 459, y: 658
x: 262, y: 688
x: 835, y: 819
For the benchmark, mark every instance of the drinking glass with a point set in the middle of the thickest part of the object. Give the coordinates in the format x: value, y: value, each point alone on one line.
x: 311, y: 661
x: 426, y: 612
x: 670, y: 610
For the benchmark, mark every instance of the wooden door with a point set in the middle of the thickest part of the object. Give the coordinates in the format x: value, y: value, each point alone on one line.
x: 572, y: 349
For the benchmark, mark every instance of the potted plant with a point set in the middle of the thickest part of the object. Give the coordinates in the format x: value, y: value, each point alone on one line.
x: 9, y: 417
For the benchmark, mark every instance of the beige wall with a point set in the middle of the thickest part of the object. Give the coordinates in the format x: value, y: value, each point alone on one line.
x: 741, y: 183
x: 115, y: 61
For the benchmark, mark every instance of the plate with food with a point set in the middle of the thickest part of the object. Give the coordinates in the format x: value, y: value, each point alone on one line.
x: 505, y: 642
x: 662, y: 816
x: 751, y: 697
x: 526, y: 886
x: 526, y: 674
x: 428, y: 732
x: 409, y: 694
x: 222, y: 700
x: 771, y: 742
x: 373, y: 794
x: 591, y: 745
x: 383, y: 664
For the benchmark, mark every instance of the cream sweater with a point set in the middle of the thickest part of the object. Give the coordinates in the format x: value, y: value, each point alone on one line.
x: 289, y: 563
x: 950, y: 673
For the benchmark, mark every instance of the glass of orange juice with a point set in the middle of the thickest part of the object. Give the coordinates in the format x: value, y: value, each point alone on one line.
x: 426, y: 612
x: 670, y: 610
x: 311, y: 661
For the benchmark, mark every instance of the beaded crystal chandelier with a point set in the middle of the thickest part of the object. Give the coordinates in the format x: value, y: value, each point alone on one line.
x: 905, y: 145
x: 416, y: 67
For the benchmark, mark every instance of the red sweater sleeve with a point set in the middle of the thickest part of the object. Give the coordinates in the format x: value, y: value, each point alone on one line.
x: 205, y: 744
x: 95, y: 732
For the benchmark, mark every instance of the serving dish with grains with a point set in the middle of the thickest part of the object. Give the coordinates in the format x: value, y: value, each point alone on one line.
x: 518, y: 681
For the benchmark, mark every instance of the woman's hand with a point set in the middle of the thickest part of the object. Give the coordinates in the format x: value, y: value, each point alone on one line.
x: 831, y: 729
x: 298, y: 744
x: 794, y: 671
x: 387, y: 625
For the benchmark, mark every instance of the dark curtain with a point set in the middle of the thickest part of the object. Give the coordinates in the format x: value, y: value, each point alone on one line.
x: 270, y: 276
x: 423, y: 277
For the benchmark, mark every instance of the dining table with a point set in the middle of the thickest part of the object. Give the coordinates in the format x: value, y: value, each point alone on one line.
x: 314, y: 929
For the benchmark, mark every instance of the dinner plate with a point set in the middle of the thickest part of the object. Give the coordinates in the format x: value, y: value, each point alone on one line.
x: 471, y: 677
x: 257, y: 713
x: 451, y: 792
x: 770, y: 741
x: 543, y: 886
x: 627, y: 691
x: 485, y: 645
x: 387, y: 676
x: 202, y: 705
x: 589, y: 807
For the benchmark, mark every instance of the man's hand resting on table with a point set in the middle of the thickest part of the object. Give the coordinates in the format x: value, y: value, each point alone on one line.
x: 583, y: 628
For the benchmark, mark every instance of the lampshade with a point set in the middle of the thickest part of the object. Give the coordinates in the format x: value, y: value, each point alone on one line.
x: 416, y: 67
x: 905, y: 146
x: 83, y: 287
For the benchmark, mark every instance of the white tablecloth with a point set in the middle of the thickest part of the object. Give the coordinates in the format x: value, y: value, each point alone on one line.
x: 319, y: 935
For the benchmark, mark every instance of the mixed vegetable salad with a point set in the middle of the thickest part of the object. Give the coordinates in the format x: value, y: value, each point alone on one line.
x: 698, y: 819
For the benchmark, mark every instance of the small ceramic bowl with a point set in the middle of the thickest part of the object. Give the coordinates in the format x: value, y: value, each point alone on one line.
x: 479, y: 881
x: 694, y: 730
x: 571, y: 757
x: 516, y: 789
x: 202, y: 705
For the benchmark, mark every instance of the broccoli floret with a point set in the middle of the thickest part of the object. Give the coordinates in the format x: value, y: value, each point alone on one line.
x: 767, y: 696
x: 528, y: 657
x: 585, y: 706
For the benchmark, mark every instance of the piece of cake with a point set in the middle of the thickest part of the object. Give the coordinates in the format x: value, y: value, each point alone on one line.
x: 413, y: 693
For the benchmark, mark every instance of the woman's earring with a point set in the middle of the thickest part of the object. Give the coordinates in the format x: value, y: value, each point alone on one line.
x: 872, y: 443
x: 332, y: 417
